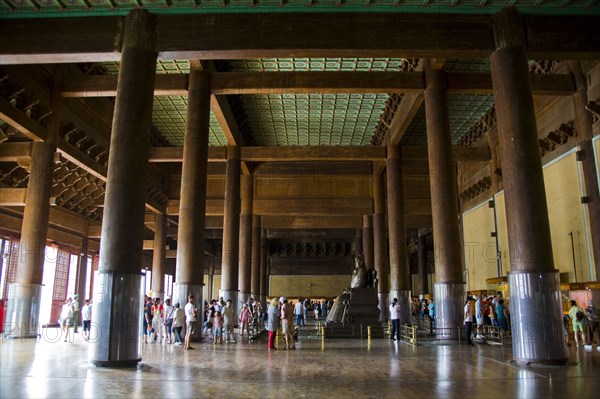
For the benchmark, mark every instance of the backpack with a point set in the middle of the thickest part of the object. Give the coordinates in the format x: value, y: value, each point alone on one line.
x: 579, y: 315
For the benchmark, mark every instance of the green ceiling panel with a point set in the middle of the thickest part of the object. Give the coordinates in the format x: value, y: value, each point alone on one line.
x: 162, y: 66
x: 317, y: 64
x: 465, y: 110
x: 78, y: 8
x: 313, y: 119
x: 169, y: 117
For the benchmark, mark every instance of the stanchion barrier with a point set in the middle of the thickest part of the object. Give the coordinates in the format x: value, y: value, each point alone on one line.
x: 322, y: 338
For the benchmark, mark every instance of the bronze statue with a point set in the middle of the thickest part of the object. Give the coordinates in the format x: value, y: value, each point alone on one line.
x: 338, y: 310
x: 359, y: 274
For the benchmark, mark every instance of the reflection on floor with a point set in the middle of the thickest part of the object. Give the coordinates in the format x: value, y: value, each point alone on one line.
x: 344, y: 369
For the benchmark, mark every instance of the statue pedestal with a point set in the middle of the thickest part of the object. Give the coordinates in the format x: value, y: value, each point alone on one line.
x: 362, y: 311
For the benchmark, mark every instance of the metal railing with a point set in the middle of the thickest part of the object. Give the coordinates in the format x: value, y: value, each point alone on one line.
x: 408, y: 333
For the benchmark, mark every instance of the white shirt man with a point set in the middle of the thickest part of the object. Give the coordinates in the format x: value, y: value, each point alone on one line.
x: 395, y: 318
x: 299, y: 312
x: 190, y: 318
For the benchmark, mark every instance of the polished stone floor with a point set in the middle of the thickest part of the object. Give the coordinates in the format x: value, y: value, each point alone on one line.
x: 343, y: 369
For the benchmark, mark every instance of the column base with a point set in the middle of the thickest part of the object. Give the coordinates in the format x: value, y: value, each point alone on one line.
x: 404, y: 299
x: 449, y: 304
x: 384, y: 304
x: 118, y: 364
x: 536, y: 318
x: 23, y: 313
x: 117, y: 316
x: 181, y: 291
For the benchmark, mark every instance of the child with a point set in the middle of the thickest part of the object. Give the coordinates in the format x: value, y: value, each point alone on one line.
x: 218, y: 326
x: 245, y: 316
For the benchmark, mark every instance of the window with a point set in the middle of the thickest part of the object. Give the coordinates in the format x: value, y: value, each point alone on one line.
x: 72, y: 284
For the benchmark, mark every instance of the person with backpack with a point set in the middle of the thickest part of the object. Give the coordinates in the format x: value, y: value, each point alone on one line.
x: 577, y: 317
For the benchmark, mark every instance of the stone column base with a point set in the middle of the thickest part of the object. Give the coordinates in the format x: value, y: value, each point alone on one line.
x: 23, y: 313
x: 117, y: 319
x: 243, y: 298
x: 449, y: 302
x: 384, y: 306
x: 536, y: 318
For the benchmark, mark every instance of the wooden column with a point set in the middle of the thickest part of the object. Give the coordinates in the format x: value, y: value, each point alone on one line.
x: 492, y: 139
x: 118, y: 305
x: 585, y: 134
x: 256, y: 249
x: 534, y: 284
x: 399, y: 272
x: 159, y: 255
x: 449, y: 288
x: 264, y: 277
x: 380, y: 244
x: 189, y: 269
x: 245, y: 240
x: 22, y: 316
x: 422, y: 260
x: 358, y: 240
x: 231, y: 228
x: 367, y: 241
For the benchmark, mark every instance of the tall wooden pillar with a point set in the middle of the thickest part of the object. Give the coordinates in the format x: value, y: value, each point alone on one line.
x: 245, y: 261
x: 159, y: 255
x: 535, y: 297
x: 189, y: 270
x: 358, y: 241
x: 264, y: 276
x: 422, y: 263
x: 449, y: 287
x: 256, y: 249
x: 367, y: 241
x: 117, y: 304
x: 380, y: 245
x: 231, y: 229
x: 585, y: 134
x: 399, y: 272
x: 25, y: 295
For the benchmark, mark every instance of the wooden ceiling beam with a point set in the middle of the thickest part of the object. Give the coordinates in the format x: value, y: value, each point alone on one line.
x: 214, y: 207
x: 312, y: 153
x: 251, y: 83
x: 312, y: 222
x: 175, y: 154
x: 318, y: 154
x: 315, y: 82
x: 317, y: 206
x: 243, y: 36
x: 12, y: 152
x: 21, y: 122
x: 106, y: 85
x: 12, y: 196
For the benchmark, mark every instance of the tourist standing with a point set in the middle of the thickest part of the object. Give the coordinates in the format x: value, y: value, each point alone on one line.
x: 86, y: 318
x: 245, y: 316
x: 577, y: 316
x: 66, y: 317
x: 190, y: 321
x: 272, y: 322
x: 168, y: 317
x: 593, y: 315
x: 228, y: 322
x: 395, y: 318
x: 468, y: 320
x: 178, y: 320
